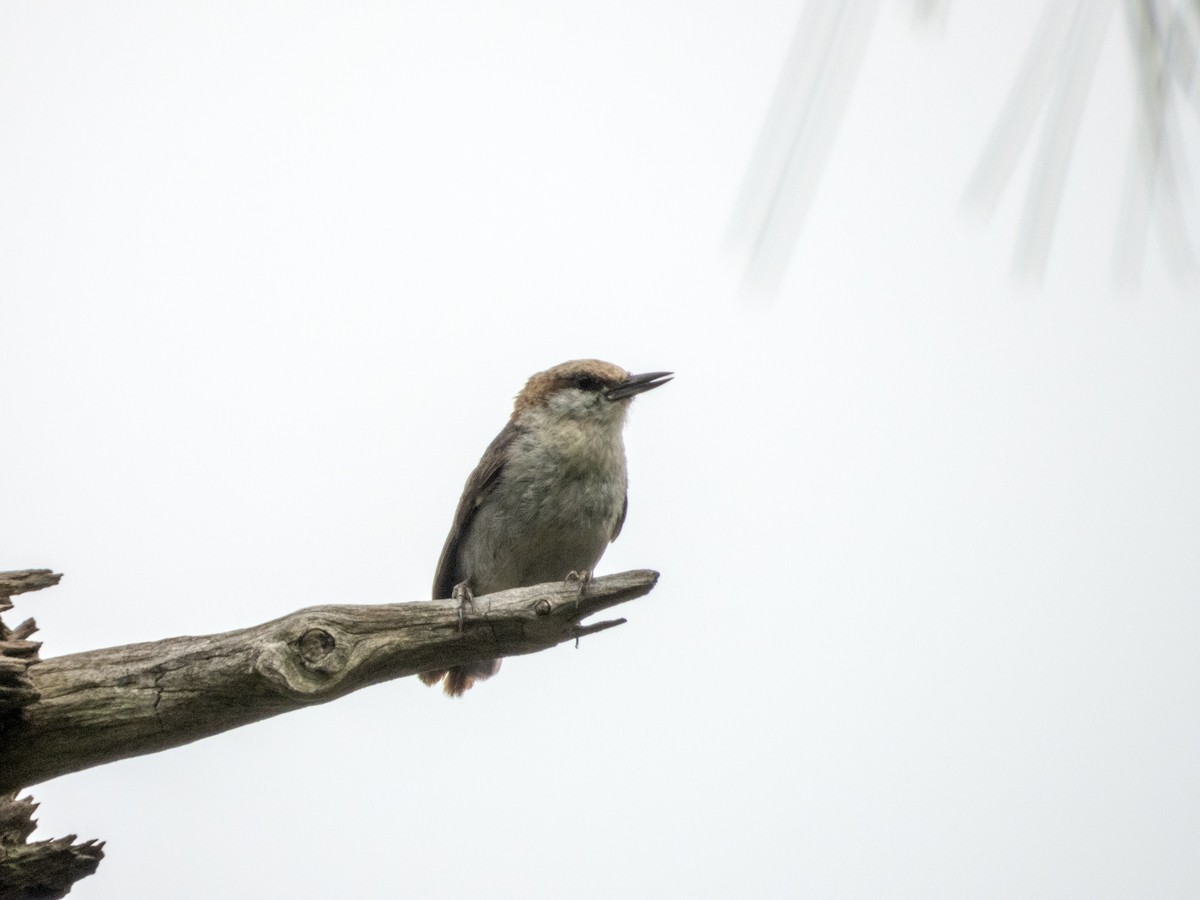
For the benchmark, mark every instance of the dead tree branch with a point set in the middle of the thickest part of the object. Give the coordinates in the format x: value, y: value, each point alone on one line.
x: 104, y: 705
x: 43, y: 869
x: 17, y: 652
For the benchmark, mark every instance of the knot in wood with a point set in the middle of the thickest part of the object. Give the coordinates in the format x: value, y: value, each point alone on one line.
x: 315, y: 645
x: 542, y: 607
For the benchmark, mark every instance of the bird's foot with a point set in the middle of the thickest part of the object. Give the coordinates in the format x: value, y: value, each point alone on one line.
x: 466, y: 601
x: 583, y: 578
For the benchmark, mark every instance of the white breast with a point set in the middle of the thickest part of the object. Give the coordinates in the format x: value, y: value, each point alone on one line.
x: 554, y: 508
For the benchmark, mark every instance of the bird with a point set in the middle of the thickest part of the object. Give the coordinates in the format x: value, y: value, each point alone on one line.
x: 548, y: 496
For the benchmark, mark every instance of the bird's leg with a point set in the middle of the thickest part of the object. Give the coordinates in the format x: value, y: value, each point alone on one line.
x: 583, y: 578
x: 466, y: 600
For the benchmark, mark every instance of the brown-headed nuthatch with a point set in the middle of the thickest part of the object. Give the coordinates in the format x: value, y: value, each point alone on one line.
x: 548, y: 496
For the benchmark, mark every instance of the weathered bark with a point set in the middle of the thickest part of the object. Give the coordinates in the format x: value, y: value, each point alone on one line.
x: 17, y: 652
x: 44, y: 869
x: 105, y: 705
x: 72, y: 712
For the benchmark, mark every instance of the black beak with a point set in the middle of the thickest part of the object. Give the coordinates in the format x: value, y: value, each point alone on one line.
x: 639, y: 384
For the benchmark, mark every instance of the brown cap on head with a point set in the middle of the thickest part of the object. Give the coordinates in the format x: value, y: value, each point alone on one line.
x: 587, y: 374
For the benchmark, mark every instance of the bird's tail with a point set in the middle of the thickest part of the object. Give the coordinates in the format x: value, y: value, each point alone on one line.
x: 459, y: 679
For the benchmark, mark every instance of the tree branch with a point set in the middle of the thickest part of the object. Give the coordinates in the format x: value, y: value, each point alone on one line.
x: 17, y: 652
x: 105, y: 705
x: 44, y: 869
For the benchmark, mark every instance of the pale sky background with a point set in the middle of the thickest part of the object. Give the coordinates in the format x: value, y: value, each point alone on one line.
x: 929, y: 615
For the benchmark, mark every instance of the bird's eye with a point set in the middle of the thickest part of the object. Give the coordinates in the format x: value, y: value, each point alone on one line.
x: 587, y: 383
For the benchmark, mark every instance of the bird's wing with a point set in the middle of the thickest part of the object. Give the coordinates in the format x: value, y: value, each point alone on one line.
x: 620, y: 519
x: 478, y: 485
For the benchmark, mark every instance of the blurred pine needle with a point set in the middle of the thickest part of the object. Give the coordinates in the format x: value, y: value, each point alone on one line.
x: 1044, y: 108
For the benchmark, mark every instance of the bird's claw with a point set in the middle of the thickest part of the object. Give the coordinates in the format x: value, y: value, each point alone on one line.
x: 466, y: 600
x: 583, y: 578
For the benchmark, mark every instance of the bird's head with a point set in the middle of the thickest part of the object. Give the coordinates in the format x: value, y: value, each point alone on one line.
x: 585, y: 390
